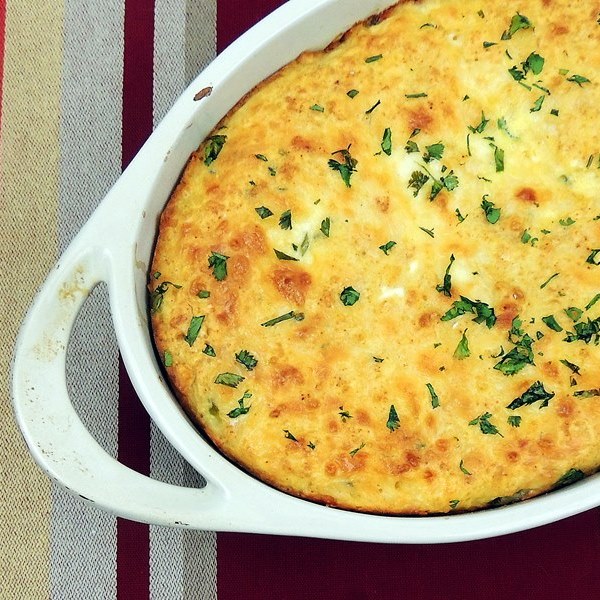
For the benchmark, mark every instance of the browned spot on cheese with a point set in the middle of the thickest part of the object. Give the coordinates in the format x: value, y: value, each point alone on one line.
x: 565, y: 407
x: 363, y: 417
x: 442, y: 444
x: 420, y: 118
x: 251, y: 241
x: 275, y: 412
x: 292, y: 284
x: 560, y: 29
x: 527, y: 194
x: 550, y: 369
x: 228, y: 302
x: 512, y: 456
x: 427, y: 318
x: 178, y: 320
x: 545, y: 444
x: 507, y: 312
x: 301, y: 143
x: 429, y: 475
x: 383, y: 203
x: 412, y: 459
x: 286, y: 375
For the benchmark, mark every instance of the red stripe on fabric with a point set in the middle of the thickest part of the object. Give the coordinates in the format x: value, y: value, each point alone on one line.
x: 236, y: 16
x: 133, y: 539
x: 554, y: 562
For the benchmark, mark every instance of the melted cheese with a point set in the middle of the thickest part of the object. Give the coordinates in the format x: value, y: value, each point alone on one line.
x: 399, y: 402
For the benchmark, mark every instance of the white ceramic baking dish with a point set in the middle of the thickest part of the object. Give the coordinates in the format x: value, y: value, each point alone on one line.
x: 115, y: 247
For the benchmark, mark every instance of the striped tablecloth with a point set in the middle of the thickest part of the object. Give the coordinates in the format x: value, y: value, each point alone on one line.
x: 82, y: 83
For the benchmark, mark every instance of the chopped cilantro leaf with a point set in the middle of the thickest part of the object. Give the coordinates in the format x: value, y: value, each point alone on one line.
x: 571, y: 476
x: 218, y: 263
x: 485, y: 426
x: 213, y: 148
x: 481, y: 126
x: 492, y: 214
x: 594, y: 257
x: 585, y: 331
x: 534, y: 63
x: 158, y: 295
x: 245, y: 358
x: 517, y: 23
x: 167, y: 359
x: 349, y: 296
x: 445, y: 287
x: 484, y: 313
x: 593, y: 301
x: 462, y: 349
x: 263, y: 212
x: 537, y: 106
x: 285, y: 220
x: 435, y: 401
x: 209, y: 350
x: 386, y: 142
x: 434, y: 152
x: 387, y: 247
x: 289, y: 435
x: 356, y: 450
x: 241, y: 409
x: 551, y: 322
x: 229, y: 379
x: 535, y: 393
x: 285, y: 317
x: 261, y: 157
x: 462, y: 467
x: 346, y: 168
x: 518, y: 358
x: 325, y: 226
x: 573, y: 313
x: 572, y: 366
x: 352, y: 93
x: 578, y: 79
x: 417, y: 95
x: 194, y: 329
x: 393, y: 421
x: 587, y: 393
x: 417, y: 180
x: 375, y: 58
x: 282, y: 255
x: 514, y: 420
x: 429, y: 232
x: 317, y: 107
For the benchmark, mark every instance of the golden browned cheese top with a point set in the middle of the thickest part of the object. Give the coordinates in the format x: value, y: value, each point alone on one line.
x: 377, y: 284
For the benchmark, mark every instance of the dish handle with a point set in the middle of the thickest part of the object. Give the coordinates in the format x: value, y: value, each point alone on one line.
x: 54, y: 433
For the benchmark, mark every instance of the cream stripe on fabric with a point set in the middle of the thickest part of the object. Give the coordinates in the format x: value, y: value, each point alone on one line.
x: 83, y: 546
x: 183, y: 563
x: 28, y: 249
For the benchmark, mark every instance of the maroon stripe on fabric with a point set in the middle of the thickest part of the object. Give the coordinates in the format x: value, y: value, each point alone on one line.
x: 133, y: 539
x: 554, y: 562
x: 236, y: 16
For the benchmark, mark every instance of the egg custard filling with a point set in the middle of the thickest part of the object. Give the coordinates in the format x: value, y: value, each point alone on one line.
x: 376, y: 285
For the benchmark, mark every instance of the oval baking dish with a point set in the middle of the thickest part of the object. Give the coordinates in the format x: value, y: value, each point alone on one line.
x: 109, y: 250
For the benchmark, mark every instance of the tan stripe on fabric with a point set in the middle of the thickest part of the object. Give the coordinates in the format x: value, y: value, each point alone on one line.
x: 28, y: 248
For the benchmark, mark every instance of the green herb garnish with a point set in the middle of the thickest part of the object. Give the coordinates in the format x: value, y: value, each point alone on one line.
x: 345, y: 168
x: 349, y: 296
x: 435, y: 401
x: 218, y: 263
x: 241, y: 409
x: 387, y: 247
x: 282, y: 255
x: 229, y: 379
x: 263, y: 212
x: 158, y: 295
x: 492, y: 214
x: 213, y: 147
x: 209, y: 350
x: 325, y: 226
x: 393, y: 421
x: 517, y: 23
x: 484, y: 313
x: 551, y: 322
x: 445, y: 287
x: 285, y: 220
x: 535, y: 393
x: 245, y: 358
x: 386, y: 142
x: 194, y: 329
x: 462, y: 349
x: 514, y: 420
x: 285, y: 317
x: 485, y: 426
x: 571, y: 476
